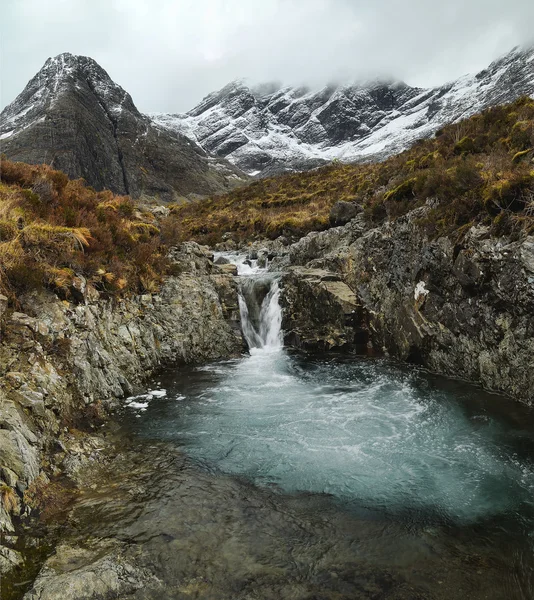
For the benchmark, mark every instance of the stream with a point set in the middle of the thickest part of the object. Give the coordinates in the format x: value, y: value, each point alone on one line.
x: 282, y: 474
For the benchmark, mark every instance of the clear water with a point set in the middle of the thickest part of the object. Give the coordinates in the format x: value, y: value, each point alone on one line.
x: 373, y: 435
x: 446, y: 466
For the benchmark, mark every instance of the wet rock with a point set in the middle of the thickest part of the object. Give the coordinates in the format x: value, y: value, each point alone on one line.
x: 343, y: 212
x: 321, y: 311
x: 76, y: 573
x: 221, y: 260
x: 159, y: 528
x: 228, y: 269
x: 460, y: 311
x: 71, y: 361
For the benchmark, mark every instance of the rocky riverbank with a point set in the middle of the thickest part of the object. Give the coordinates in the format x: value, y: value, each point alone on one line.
x: 457, y: 307
x: 65, y: 364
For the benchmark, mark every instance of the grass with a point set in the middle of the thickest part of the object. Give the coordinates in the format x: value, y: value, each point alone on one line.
x: 54, y: 230
x: 475, y: 171
x: 9, y: 499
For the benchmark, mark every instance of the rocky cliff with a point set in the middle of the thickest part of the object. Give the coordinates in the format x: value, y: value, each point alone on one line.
x: 64, y: 365
x: 271, y: 129
x: 74, y: 117
x: 460, y: 308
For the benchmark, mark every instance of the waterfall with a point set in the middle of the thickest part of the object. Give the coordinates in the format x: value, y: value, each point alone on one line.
x: 259, y: 302
x: 261, y: 314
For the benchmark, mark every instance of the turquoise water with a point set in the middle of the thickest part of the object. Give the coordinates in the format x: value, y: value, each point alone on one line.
x: 373, y: 435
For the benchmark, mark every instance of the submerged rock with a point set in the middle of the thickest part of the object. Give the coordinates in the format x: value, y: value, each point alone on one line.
x: 68, y: 363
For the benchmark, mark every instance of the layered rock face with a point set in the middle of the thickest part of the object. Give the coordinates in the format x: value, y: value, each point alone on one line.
x: 270, y: 129
x: 63, y: 363
x: 463, y: 310
x: 72, y: 116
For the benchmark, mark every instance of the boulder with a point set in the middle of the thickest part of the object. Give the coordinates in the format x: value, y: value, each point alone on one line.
x: 343, y: 212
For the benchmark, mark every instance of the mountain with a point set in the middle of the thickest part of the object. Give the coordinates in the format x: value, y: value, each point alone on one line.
x: 271, y: 129
x: 73, y: 116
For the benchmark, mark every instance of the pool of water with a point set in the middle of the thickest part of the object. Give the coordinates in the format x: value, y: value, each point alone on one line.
x: 369, y: 433
x: 382, y: 441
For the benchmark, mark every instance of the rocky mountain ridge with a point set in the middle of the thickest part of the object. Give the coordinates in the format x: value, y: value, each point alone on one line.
x: 73, y: 116
x: 271, y: 129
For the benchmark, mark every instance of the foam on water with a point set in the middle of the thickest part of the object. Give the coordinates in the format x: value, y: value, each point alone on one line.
x: 372, y: 435
x: 365, y: 432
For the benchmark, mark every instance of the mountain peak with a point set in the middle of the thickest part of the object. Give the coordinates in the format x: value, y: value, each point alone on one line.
x: 73, y: 116
x: 270, y: 129
x: 62, y: 76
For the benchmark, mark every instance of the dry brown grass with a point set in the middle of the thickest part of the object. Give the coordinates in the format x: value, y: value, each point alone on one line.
x: 9, y: 498
x: 476, y: 170
x: 53, y: 229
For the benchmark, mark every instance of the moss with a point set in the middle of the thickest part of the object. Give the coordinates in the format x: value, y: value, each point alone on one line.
x: 427, y: 160
x: 8, y: 230
x: 31, y: 197
x: 508, y: 194
x: 522, y: 135
x: 465, y: 146
x: 403, y: 191
x: 518, y: 156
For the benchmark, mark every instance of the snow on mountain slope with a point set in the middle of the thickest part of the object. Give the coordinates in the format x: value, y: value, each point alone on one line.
x: 73, y: 116
x: 271, y: 129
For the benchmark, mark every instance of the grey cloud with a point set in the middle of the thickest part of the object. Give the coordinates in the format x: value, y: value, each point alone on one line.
x: 170, y: 53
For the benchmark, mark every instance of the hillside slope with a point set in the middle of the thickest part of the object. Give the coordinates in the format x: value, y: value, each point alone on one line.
x: 74, y: 117
x: 268, y: 129
x: 477, y: 170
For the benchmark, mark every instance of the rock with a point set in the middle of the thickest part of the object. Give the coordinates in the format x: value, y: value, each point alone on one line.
x: 228, y: 269
x: 9, y: 476
x: 88, y: 355
x: 221, y: 260
x: 160, y: 211
x: 462, y: 312
x: 343, y: 212
x: 3, y: 304
x: 73, y: 111
x: 95, y: 577
x: 9, y: 559
x: 321, y: 311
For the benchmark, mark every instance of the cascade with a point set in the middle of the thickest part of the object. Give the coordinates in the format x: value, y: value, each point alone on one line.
x: 259, y: 303
x: 261, y: 314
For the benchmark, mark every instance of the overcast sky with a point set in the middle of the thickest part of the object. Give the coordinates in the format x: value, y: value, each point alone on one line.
x: 170, y: 53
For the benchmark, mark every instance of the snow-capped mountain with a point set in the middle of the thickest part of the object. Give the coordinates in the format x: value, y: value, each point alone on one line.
x: 73, y: 116
x: 268, y: 129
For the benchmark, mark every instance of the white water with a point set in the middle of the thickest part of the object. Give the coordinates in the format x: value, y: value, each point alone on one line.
x: 368, y: 433
x: 265, y: 331
x: 268, y: 335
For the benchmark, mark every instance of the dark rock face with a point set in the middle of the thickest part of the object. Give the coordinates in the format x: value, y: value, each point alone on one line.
x: 460, y: 310
x: 321, y: 312
x: 342, y: 212
x: 269, y: 129
x: 73, y: 116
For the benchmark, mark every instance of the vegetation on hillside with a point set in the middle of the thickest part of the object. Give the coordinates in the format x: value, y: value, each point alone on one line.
x: 476, y: 171
x: 54, y: 230
x: 63, y: 235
